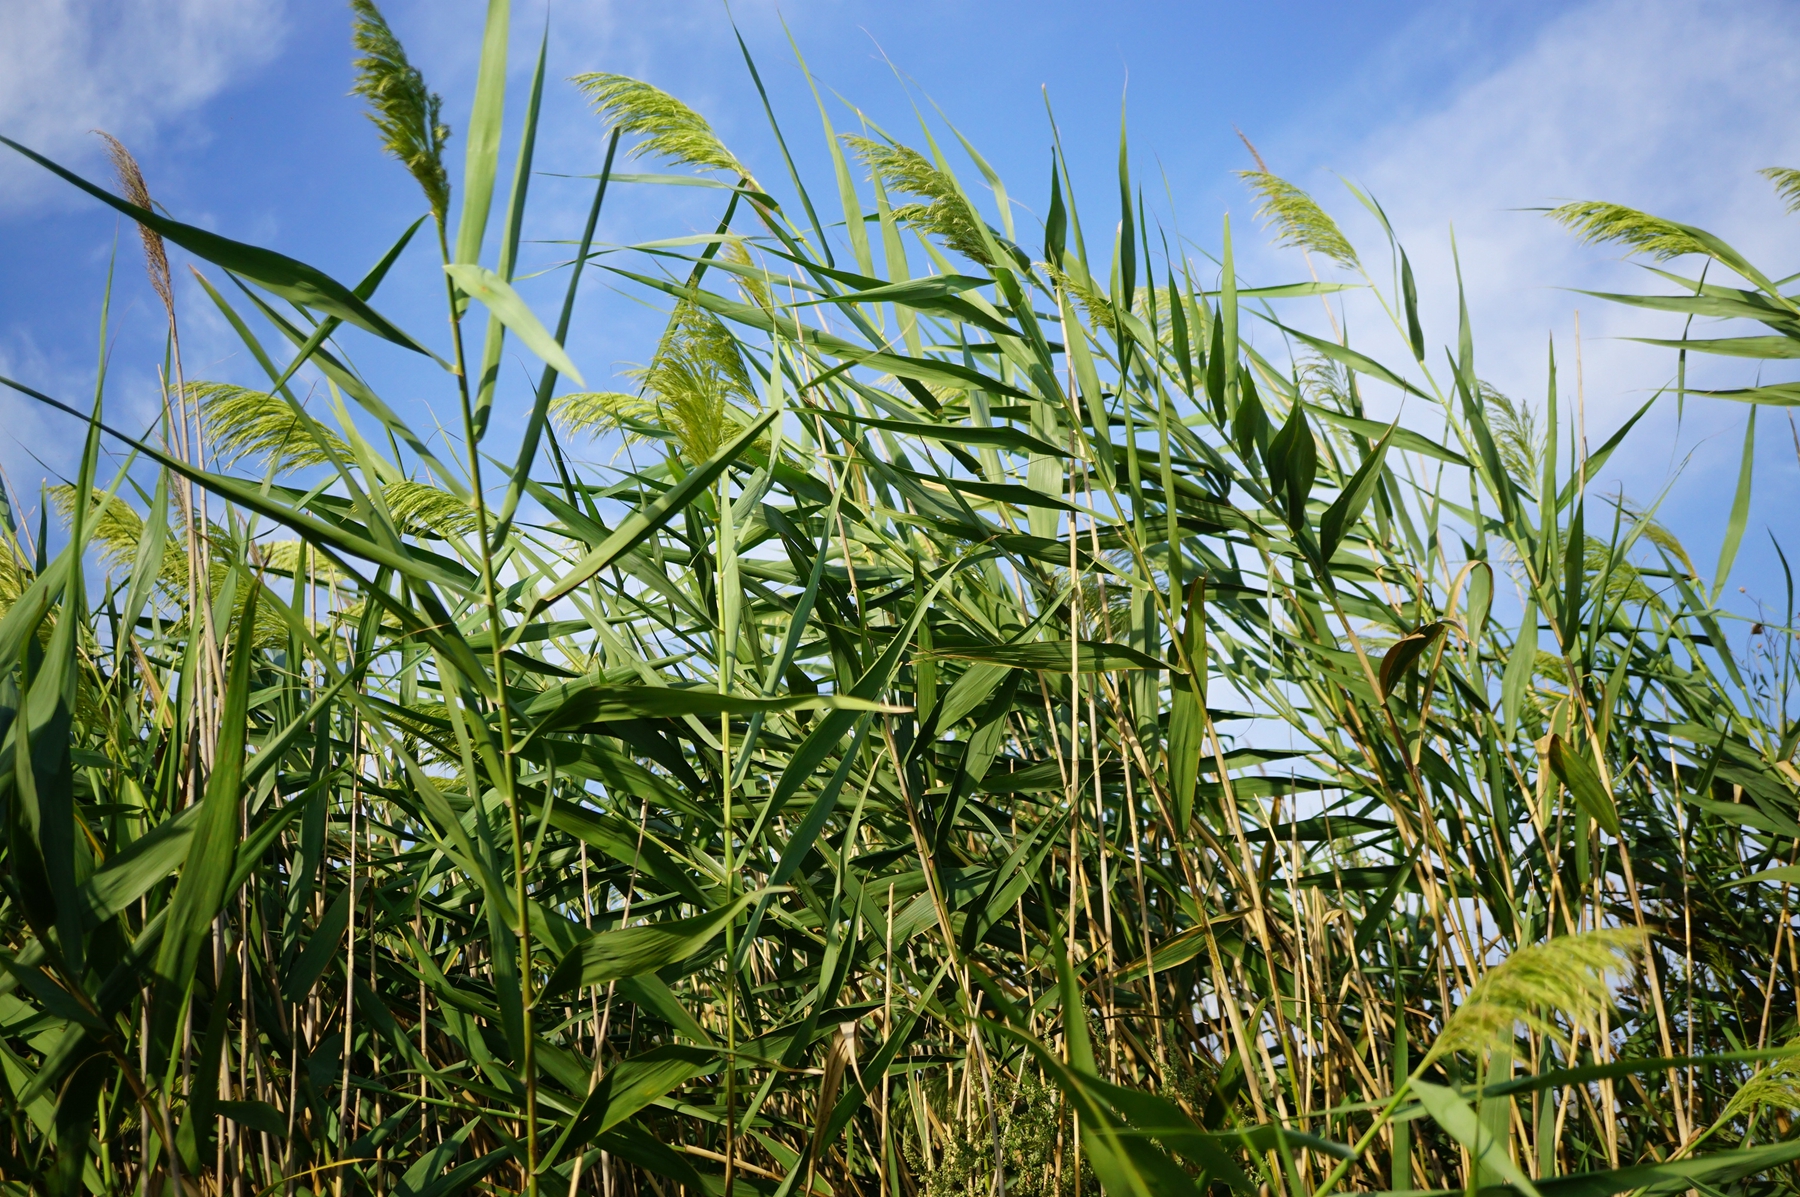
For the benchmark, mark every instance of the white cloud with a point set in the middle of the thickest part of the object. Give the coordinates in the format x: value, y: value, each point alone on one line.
x: 1666, y: 106
x: 68, y: 66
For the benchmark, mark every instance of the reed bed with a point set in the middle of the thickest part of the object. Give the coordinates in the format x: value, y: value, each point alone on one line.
x: 988, y: 729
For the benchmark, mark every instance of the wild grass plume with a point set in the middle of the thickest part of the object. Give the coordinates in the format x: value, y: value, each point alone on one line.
x: 1787, y: 184
x: 1296, y: 218
x: 945, y: 212
x: 406, y: 113
x: 1569, y: 977
x: 241, y: 422
x: 668, y: 128
x: 1598, y: 222
x: 131, y: 182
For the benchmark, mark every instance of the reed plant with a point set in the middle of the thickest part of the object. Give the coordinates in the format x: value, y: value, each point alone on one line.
x: 989, y: 727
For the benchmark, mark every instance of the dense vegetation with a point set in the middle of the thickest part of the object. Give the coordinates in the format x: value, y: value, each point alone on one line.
x: 991, y: 730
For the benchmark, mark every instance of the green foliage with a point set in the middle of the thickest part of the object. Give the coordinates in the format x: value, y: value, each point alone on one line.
x: 1036, y: 1134
x: 899, y: 772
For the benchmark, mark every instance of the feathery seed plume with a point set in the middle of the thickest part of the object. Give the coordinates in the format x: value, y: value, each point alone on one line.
x: 131, y: 182
x: 242, y: 422
x: 1296, y: 217
x: 1787, y: 184
x: 402, y: 107
x: 1570, y: 975
x: 669, y: 127
x: 1595, y: 221
x: 695, y: 388
x: 904, y: 170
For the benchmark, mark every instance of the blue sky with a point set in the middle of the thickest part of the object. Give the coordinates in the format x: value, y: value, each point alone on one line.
x: 1452, y: 114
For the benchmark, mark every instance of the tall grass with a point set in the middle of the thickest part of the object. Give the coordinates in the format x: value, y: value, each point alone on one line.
x: 870, y: 786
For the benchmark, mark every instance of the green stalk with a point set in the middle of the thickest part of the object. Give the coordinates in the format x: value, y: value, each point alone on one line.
x: 1368, y: 1136
x: 496, y: 642
x: 727, y: 636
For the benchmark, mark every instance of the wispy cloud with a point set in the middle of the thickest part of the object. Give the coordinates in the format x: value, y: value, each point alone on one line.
x: 67, y: 66
x: 1669, y: 107
x: 1666, y: 106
